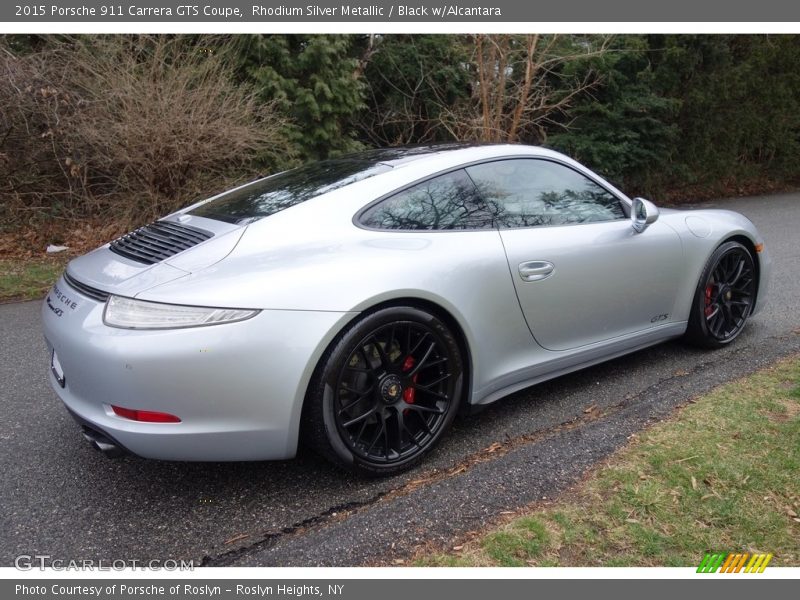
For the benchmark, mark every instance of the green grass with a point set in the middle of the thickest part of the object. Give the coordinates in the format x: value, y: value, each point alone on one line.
x: 29, y: 279
x: 722, y: 475
x: 517, y: 545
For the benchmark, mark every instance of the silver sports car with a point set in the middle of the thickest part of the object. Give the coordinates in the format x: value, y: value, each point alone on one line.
x: 359, y: 303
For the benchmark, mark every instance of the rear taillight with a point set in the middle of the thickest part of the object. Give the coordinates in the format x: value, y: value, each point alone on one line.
x: 144, y: 416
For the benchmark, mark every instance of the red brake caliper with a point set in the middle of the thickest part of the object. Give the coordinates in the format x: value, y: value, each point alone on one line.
x: 409, y: 393
x: 709, y: 291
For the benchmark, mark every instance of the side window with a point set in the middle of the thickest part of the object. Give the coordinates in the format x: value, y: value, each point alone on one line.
x: 449, y: 201
x: 530, y: 192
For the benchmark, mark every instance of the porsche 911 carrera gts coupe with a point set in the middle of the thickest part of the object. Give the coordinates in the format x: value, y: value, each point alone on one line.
x: 360, y: 303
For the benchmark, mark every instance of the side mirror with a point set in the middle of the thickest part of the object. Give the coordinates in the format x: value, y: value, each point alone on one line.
x: 643, y: 213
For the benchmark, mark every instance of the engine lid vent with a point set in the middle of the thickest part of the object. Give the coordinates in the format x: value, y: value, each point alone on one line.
x: 158, y: 241
x: 85, y: 289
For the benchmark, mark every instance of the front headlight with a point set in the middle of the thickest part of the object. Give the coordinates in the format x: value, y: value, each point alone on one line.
x: 128, y: 313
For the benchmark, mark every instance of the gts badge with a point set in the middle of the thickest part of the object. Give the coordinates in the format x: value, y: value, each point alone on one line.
x: 55, y: 309
x: 658, y: 318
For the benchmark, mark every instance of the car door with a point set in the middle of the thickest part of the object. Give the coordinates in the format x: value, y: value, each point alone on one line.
x: 581, y: 273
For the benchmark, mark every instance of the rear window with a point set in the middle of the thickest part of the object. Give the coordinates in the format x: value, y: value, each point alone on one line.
x: 449, y: 201
x: 284, y: 190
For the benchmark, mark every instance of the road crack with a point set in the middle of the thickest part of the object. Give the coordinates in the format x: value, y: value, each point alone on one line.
x: 271, y: 538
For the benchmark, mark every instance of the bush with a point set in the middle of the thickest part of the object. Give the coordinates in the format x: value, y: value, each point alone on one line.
x: 125, y: 127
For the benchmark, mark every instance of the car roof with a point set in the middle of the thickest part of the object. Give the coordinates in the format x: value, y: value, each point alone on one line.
x: 401, y: 155
x: 396, y: 155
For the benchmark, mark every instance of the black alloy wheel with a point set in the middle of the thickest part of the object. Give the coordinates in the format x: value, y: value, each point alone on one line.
x: 724, y: 297
x: 386, y: 391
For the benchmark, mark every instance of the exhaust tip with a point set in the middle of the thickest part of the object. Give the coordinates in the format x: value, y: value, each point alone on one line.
x: 102, y: 444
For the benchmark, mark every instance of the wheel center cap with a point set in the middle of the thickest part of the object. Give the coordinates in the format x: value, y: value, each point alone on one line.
x: 391, y: 389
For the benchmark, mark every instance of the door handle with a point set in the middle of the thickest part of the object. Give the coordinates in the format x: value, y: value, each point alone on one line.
x: 535, y: 270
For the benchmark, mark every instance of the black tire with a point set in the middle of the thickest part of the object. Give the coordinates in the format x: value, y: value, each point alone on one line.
x: 377, y: 403
x: 724, y: 297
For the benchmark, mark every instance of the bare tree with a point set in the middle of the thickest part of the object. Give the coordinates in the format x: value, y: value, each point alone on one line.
x: 491, y: 88
x: 522, y: 84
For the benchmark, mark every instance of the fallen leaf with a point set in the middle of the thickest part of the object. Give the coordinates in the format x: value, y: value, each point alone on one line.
x: 457, y: 548
x: 694, y: 483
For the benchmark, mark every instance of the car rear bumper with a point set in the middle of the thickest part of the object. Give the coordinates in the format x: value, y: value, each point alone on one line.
x: 238, y: 388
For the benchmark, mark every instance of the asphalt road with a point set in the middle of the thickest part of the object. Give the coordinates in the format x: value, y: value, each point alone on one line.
x: 59, y: 497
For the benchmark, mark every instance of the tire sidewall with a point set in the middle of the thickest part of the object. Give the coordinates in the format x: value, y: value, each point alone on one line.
x: 698, y: 324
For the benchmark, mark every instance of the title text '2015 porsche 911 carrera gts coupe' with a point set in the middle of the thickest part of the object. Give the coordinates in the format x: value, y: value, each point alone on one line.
x: 359, y: 303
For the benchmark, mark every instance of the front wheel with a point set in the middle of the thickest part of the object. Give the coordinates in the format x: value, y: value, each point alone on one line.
x: 724, y: 297
x: 385, y: 392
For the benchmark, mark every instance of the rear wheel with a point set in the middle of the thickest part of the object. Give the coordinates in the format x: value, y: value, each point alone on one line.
x: 385, y: 392
x: 724, y: 297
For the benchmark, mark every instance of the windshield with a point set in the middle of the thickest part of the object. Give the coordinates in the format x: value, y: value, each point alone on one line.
x: 267, y: 196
